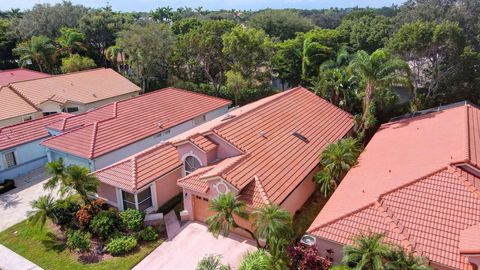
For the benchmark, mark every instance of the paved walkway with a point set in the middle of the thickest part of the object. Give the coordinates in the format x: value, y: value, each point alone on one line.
x: 10, y: 260
x: 171, y: 224
x: 192, y: 243
x: 15, y: 204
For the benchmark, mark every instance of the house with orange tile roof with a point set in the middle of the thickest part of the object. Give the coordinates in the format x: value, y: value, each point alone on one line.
x: 20, y: 149
x: 264, y: 152
x: 108, y: 134
x: 20, y: 74
x: 37, y: 96
x: 418, y: 183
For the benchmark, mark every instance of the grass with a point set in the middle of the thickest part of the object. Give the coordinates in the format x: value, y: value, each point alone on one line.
x: 42, y: 248
x: 309, y: 211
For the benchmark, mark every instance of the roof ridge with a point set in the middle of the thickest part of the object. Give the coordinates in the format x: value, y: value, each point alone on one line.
x: 472, y: 188
x: 60, y: 75
x: 467, y: 131
x: 262, y: 189
x: 197, y: 93
x: 91, y: 110
x: 234, y: 163
x: 94, y: 139
x: 316, y: 228
x: 134, y: 172
x: 23, y: 97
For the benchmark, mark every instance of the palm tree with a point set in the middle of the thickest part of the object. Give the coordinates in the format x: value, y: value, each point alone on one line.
x: 211, y: 262
x: 399, y: 259
x: 368, y: 252
x: 55, y: 168
x: 71, y: 40
x: 112, y: 55
x: 336, y: 160
x: 272, y: 221
x: 43, y: 209
x: 39, y: 49
x: 226, y: 207
x: 257, y: 260
x: 379, y: 71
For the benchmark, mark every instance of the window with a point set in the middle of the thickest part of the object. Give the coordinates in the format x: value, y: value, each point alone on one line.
x: 27, y: 118
x: 10, y: 159
x: 200, y: 119
x: 128, y: 200
x: 144, y: 199
x: 191, y: 164
x: 48, y: 113
x: 72, y: 109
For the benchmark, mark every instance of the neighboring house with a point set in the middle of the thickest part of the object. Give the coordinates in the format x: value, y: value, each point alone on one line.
x: 101, y: 137
x: 73, y: 93
x: 417, y: 182
x: 20, y: 149
x: 264, y: 152
x: 19, y: 74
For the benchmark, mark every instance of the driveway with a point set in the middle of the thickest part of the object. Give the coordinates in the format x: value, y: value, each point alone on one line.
x: 190, y: 245
x: 15, y: 204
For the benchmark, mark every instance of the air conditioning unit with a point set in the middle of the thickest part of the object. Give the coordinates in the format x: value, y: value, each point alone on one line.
x: 308, y: 240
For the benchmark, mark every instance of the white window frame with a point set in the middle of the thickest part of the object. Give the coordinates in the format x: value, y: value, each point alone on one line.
x: 4, y: 158
x: 27, y: 118
x: 153, y: 197
x: 184, y: 163
x: 199, y: 120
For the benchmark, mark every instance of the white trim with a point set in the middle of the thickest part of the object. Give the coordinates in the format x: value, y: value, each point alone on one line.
x: 153, y: 189
x: 118, y: 192
x: 184, y: 172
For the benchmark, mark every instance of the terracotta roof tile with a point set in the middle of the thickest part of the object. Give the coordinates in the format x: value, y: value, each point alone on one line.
x: 13, y: 104
x: 203, y: 142
x: 25, y: 132
x: 19, y: 74
x: 133, y: 119
x: 470, y: 240
x: 141, y: 169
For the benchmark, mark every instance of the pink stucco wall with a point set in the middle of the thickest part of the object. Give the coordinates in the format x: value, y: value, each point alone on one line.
x: 323, y: 245
x: 224, y: 149
x: 188, y: 149
x: 167, y: 188
x: 108, y: 193
x: 300, y: 195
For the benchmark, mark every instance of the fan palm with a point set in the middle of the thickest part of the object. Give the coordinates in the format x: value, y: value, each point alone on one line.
x: 367, y: 252
x: 39, y: 50
x: 43, y: 209
x: 211, y: 262
x: 226, y: 207
x: 71, y: 40
x: 399, y: 259
x: 257, y: 260
x: 326, y: 182
x: 272, y: 221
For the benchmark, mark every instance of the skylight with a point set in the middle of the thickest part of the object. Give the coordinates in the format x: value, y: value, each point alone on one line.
x: 300, y: 136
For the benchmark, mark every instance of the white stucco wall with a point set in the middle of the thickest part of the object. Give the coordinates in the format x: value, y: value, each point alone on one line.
x: 19, y: 119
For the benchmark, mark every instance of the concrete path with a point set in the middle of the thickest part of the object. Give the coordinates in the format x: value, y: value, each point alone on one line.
x: 192, y: 243
x: 10, y: 260
x: 15, y: 204
x: 171, y: 224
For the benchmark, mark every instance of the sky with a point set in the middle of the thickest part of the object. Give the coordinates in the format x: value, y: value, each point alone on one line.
x: 147, y: 5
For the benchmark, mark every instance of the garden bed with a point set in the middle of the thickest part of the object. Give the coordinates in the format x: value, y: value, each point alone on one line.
x: 46, y: 248
x: 306, y: 215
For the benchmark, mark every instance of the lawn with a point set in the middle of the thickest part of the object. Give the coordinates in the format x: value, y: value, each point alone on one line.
x: 41, y: 247
x: 309, y: 211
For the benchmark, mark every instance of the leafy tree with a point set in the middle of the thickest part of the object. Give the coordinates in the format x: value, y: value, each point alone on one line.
x: 336, y: 160
x: 184, y: 26
x: 43, y: 209
x: 162, y: 14
x: 236, y: 84
x: 75, y: 62
x: 71, y: 40
x: 211, y: 262
x: 227, y: 208
x: 38, y: 50
x: 367, y: 252
x: 271, y: 221
x: 148, y: 48
x: 113, y: 52
x: 7, y: 44
x: 282, y: 24
x: 256, y: 260
x: 249, y: 51
x: 366, y: 31
x: 47, y: 20
x: 287, y: 60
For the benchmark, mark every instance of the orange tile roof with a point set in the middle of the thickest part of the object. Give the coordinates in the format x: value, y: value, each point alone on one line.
x: 423, y: 203
x: 203, y: 143
x: 125, y: 122
x: 19, y: 74
x: 470, y: 240
x: 13, y: 105
x: 82, y: 87
x: 14, y: 135
x: 141, y: 169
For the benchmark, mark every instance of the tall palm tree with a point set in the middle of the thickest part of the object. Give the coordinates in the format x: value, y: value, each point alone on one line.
x: 71, y: 40
x: 226, y: 207
x: 326, y: 182
x: 43, y: 209
x: 379, y: 71
x: 211, y: 262
x: 38, y: 50
x: 112, y: 55
x: 272, y: 221
x: 367, y: 252
x: 257, y: 260
x: 398, y: 258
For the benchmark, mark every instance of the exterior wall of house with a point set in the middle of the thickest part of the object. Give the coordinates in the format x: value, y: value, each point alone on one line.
x: 69, y: 159
x: 189, y: 149
x: 50, y: 106
x: 19, y: 119
x: 323, y: 245
x: 301, y: 194
x: 29, y: 156
x: 167, y: 188
x: 108, y: 193
x: 86, y: 107
x: 224, y: 149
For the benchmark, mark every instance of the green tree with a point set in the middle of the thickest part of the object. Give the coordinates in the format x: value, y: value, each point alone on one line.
x: 249, y: 51
x: 287, y: 60
x: 71, y: 40
x: 113, y: 53
x: 162, y: 14
x: 148, y: 48
x: 236, y: 84
x: 336, y: 160
x: 38, y: 50
x: 227, y: 208
x: 256, y: 260
x: 271, y: 221
x: 7, y: 44
x: 43, y: 209
x: 75, y: 62
x: 281, y: 24
x: 368, y: 252
x: 184, y: 26
x: 211, y: 262
x: 398, y: 258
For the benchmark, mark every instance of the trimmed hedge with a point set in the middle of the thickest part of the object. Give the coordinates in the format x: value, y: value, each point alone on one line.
x: 7, y: 185
x: 121, y: 245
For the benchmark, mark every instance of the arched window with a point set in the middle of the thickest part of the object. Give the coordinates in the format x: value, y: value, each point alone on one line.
x: 191, y: 164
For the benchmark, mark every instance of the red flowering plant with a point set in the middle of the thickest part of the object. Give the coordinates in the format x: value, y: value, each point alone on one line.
x: 303, y: 257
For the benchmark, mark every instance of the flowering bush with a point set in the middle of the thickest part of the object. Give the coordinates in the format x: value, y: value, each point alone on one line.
x: 132, y: 219
x: 121, y: 245
x: 307, y: 258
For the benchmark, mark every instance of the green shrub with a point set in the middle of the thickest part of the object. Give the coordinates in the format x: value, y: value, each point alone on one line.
x: 104, y: 223
x: 121, y: 245
x: 78, y: 240
x: 132, y: 219
x: 148, y: 234
x: 64, y: 212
